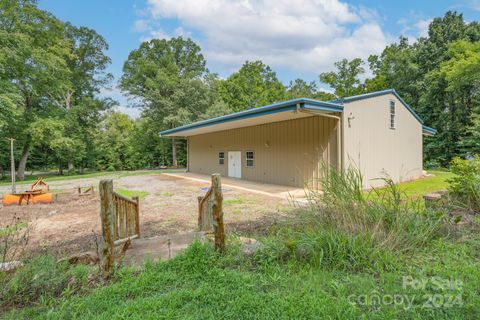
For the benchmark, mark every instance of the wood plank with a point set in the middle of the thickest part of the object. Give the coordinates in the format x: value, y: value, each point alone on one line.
x: 115, y: 221
x: 121, y: 227
x: 137, y: 215
x: 123, y: 198
x: 122, y: 241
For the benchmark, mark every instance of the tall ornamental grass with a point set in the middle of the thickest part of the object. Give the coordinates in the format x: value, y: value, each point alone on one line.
x: 391, y: 220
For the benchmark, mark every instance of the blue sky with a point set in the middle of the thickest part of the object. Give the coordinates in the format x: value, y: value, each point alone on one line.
x: 298, y: 39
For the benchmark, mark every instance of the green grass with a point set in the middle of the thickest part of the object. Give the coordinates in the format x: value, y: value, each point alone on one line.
x: 199, y: 284
x: 111, y: 174
x: 232, y: 202
x: 307, y: 269
x: 429, y: 184
x: 132, y: 193
x: 417, y: 188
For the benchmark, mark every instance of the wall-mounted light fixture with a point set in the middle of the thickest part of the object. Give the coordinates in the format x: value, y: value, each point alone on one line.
x: 350, y: 118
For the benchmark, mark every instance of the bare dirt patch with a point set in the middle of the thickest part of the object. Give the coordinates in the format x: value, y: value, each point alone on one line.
x: 69, y: 223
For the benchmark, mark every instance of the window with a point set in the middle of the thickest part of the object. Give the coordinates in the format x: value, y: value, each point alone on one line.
x: 392, y: 114
x: 249, y: 155
x: 221, y: 157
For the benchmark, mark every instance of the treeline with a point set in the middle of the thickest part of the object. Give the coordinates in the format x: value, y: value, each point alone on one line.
x: 52, y: 73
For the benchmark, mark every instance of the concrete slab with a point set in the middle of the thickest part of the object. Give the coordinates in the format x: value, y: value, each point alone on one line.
x: 271, y: 190
x: 159, y: 248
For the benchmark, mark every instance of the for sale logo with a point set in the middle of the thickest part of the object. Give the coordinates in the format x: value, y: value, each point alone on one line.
x: 433, y: 292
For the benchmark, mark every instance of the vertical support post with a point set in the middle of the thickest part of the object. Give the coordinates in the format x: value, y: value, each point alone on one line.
x: 339, y: 144
x: 188, y: 155
x: 217, y: 209
x: 200, y: 215
x: 174, y: 153
x: 106, y: 215
x: 12, y: 166
x: 137, y: 215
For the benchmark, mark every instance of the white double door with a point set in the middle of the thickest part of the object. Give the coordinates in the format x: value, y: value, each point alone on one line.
x: 235, y: 164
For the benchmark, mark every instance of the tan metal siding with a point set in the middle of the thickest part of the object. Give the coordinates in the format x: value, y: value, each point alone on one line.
x: 286, y: 153
x: 376, y: 149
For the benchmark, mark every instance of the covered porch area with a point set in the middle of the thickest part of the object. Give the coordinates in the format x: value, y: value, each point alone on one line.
x: 287, y: 143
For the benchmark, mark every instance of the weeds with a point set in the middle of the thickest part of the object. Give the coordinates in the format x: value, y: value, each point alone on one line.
x: 14, y: 238
x: 42, y: 279
x: 345, y: 228
x: 390, y: 221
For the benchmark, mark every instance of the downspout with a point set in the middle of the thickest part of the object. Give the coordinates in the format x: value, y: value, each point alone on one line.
x: 339, y: 130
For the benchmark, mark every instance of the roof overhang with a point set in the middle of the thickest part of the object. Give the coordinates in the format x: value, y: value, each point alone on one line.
x: 287, y: 110
x: 429, y: 132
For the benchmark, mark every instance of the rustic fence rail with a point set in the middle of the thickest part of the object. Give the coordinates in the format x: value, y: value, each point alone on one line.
x: 126, y: 220
x: 120, y: 218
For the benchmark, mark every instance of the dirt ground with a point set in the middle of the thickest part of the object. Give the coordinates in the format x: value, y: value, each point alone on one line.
x: 72, y: 221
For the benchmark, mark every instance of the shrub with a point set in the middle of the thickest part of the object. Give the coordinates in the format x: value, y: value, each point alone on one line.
x: 465, y: 185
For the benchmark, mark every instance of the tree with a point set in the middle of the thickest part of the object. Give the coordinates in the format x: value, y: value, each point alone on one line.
x: 169, y: 77
x: 81, y: 109
x: 254, y: 85
x: 54, y: 69
x: 299, y: 88
x: 462, y: 69
x: 113, y: 142
x: 395, y: 68
x: 346, y: 80
x: 33, y: 53
x: 436, y: 76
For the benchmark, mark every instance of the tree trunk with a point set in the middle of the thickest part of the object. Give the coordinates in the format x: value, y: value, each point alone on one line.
x: 60, y: 170
x: 22, y: 164
x: 70, y: 166
x: 174, y: 152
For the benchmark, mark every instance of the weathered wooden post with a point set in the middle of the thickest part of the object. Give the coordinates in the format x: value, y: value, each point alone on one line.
x: 210, y: 212
x: 217, y: 210
x: 205, y: 214
x: 106, y: 215
x: 137, y: 215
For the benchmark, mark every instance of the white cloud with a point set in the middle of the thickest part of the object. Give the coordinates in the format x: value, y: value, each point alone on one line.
x: 155, y: 34
x: 422, y: 27
x: 140, y: 26
x: 304, y: 35
x: 414, y: 30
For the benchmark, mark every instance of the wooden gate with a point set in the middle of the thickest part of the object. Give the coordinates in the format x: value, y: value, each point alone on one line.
x: 126, y: 220
x: 120, y: 218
